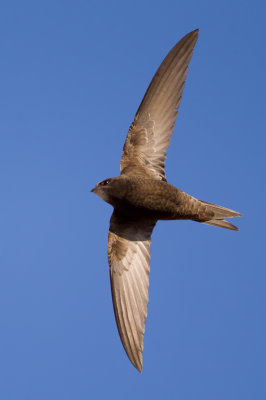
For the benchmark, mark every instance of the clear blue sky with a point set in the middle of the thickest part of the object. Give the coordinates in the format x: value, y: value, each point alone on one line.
x: 72, y: 76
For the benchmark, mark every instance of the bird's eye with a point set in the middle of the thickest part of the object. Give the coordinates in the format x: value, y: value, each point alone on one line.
x: 106, y: 182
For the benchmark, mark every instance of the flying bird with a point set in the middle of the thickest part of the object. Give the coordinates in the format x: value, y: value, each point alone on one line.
x: 141, y: 196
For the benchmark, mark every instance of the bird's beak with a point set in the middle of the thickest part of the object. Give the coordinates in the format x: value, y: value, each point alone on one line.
x: 92, y: 190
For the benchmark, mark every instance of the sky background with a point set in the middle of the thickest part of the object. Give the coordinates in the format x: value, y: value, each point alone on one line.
x: 72, y: 76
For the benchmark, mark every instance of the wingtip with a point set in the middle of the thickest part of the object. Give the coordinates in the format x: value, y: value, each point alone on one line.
x: 139, y: 369
x: 195, y: 32
x: 135, y: 361
x: 137, y: 364
x: 192, y: 36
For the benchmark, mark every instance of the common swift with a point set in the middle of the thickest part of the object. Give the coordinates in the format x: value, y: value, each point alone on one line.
x: 141, y: 196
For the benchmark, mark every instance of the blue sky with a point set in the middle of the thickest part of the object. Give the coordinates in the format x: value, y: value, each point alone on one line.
x: 72, y: 76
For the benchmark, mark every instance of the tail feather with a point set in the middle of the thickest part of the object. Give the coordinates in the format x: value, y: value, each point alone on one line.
x: 219, y: 213
x: 222, y: 223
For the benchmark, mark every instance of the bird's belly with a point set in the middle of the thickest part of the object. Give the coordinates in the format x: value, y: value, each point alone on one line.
x: 149, y: 206
x: 150, y: 199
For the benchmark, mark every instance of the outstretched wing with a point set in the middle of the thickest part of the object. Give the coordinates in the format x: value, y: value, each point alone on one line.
x: 129, y: 266
x: 150, y: 133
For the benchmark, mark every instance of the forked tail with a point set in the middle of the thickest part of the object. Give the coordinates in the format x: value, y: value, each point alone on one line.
x: 218, y: 214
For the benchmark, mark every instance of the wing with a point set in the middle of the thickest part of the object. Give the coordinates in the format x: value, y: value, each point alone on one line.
x: 150, y: 133
x: 129, y: 266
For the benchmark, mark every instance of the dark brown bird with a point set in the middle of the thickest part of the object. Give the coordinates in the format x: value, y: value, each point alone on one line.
x: 141, y: 196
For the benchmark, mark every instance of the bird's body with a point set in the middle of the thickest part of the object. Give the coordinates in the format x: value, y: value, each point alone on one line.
x: 141, y: 196
x: 149, y: 198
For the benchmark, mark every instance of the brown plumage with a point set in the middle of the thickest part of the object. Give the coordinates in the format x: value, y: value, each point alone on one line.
x: 141, y: 196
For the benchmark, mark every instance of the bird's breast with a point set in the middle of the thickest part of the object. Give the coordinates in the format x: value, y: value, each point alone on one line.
x: 151, y: 198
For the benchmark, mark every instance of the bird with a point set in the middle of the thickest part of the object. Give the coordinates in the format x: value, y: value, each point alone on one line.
x: 141, y: 196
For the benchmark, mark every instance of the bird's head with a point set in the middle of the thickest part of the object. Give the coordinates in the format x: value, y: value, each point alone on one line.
x: 110, y: 190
